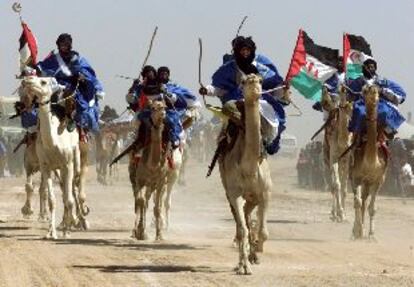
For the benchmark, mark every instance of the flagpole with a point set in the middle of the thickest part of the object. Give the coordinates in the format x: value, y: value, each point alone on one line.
x: 17, y: 7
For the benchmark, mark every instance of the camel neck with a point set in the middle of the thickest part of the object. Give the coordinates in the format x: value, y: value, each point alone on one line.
x: 48, y: 131
x: 371, y: 151
x: 155, y: 146
x: 252, y: 140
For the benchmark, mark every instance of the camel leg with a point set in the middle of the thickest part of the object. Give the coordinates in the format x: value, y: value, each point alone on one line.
x: 158, y: 206
x: 83, y: 171
x: 242, y: 235
x: 358, y: 228
x: 233, y: 212
x: 372, y: 210
x: 46, y: 177
x: 172, y: 178
x: 70, y: 217
x: 27, y: 209
x: 42, y: 200
x: 252, y: 232
x: 343, y: 178
x: 262, y: 220
x: 167, y: 203
x: 364, y: 196
x: 140, y: 213
x: 335, y: 188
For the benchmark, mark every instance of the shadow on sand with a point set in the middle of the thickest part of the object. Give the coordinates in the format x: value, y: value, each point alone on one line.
x: 11, y: 228
x: 141, y: 246
x: 148, y: 268
x: 275, y: 221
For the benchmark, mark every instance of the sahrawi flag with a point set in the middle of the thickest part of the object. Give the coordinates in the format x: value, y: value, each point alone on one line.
x: 28, y: 48
x: 356, y: 51
x: 311, y: 66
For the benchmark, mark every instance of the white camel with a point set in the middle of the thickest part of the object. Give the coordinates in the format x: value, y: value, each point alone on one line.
x: 57, y: 149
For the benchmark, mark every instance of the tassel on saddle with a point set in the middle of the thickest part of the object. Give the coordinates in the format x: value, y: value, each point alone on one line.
x: 231, y: 132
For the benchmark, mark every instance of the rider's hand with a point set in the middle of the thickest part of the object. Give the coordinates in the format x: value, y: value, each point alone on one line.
x: 203, y: 91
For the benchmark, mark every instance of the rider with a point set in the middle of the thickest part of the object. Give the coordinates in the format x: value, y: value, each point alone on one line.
x: 151, y: 89
x: 73, y: 71
x: 226, y: 85
x: 262, y: 59
x: 391, y: 95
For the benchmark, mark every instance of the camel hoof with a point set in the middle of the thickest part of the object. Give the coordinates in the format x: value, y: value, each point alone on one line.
x: 244, y: 270
x: 27, y: 211
x: 82, y: 224
x: 159, y: 237
x: 141, y: 235
x: 51, y: 235
x: 43, y: 218
x: 254, y: 259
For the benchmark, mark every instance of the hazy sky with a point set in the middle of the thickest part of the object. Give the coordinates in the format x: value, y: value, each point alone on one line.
x: 114, y: 36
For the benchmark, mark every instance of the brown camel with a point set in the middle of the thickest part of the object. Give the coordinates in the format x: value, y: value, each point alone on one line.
x: 336, y: 141
x: 369, y: 165
x: 150, y: 172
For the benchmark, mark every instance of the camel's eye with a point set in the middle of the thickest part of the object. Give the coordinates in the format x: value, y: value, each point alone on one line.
x: 43, y: 82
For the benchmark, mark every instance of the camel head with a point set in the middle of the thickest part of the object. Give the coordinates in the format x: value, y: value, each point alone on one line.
x: 327, y: 101
x: 343, y: 100
x: 158, y: 112
x: 252, y: 88
x: 39, y: 88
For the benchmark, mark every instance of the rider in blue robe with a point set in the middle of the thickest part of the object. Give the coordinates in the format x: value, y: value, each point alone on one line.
x: 75, y: 73
x: 157, y: 87
x: 391, y: 95
x: 226, y: 84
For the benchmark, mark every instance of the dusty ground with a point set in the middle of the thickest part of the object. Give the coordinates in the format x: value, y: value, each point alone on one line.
x: 304, y: 249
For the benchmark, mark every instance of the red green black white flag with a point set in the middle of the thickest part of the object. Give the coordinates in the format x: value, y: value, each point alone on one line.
x: 356, y: 51
x: 311, y: 66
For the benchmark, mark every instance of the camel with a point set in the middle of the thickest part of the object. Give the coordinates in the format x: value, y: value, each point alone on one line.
x: 336, y: 141
x: 151, y: 172
x: 246, y: 178
x: 369, y: 165
x: 57, y: 149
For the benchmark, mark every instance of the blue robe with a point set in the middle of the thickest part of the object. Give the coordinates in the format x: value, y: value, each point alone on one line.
x: 87, y: 108
x: 183, y: 100
x: 388, y: 115
x: 225, y: 78
x: 29, y: 119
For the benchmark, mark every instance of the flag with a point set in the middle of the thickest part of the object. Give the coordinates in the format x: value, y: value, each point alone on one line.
x: 311, y: 66
x: 356, y: 51
x: 28, y: 48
